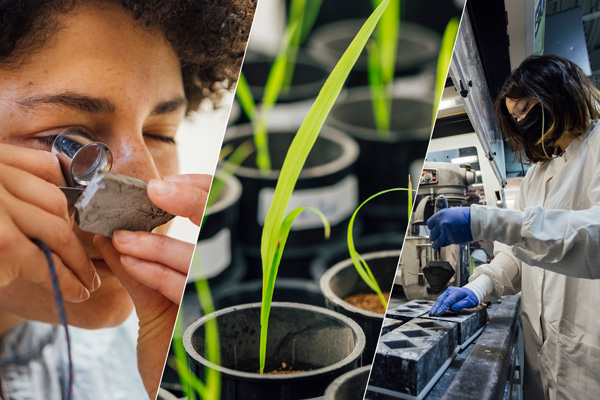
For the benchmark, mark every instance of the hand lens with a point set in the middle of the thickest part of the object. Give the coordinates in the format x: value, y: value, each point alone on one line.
x: 80, y: 156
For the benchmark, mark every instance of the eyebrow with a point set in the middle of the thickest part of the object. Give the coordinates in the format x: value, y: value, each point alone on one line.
x: 169, y: 106
x: 69, y: 99
x: 94, y: 105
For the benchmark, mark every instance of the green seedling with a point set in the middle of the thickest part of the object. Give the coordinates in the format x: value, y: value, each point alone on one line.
x: 302, y: 16
x: 259, y: 117
x: 304, y: 13
x: 381, y: 58
x: 244, y: 95
x: 443, y: 64
x: 211, y: 389
x: 362, y: 268
x: 277, y: 224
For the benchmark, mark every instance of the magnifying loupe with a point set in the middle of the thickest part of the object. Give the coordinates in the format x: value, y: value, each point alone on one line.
x: 80, y: 156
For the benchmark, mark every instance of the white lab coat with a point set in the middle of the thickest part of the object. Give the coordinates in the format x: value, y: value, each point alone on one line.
x: 551, y: 253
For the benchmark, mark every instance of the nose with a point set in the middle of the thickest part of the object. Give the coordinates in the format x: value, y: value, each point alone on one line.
x: 132, y: 158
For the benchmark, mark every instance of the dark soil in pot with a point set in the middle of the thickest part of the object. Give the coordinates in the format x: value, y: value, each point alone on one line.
x: 323, y: 343
x: 385, y: 162
x: 295, y: 290
x: 364, y: 244
x: 350, y: 386
x: 326, y: 182
x: 368, y: 301
x: 342, y: 280
x: 417, y: 48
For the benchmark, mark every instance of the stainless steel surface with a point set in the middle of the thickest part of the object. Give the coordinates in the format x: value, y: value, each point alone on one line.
x: 468, y: 77
x: 441, y: 185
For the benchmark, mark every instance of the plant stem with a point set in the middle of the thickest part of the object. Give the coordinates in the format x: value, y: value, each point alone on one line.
x: 271, y: 240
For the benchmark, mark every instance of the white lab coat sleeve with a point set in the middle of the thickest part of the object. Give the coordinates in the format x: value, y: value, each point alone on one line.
x: 504, y: 272
x: 563, y: 241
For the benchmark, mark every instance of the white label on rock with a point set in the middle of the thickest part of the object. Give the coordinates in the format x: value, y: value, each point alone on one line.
x: 337, y: 202
x: 212, y: 256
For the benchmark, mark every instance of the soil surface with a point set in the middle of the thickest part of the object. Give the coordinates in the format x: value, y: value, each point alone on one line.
x: 368, y: 301
x: 285, y: 369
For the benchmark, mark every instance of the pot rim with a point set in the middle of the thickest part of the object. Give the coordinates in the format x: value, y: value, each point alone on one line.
x: 231, y: 194
x: 350, y: 358
x: 349, y: 28
x: 164, y: 394
x: 363, y: 94
x: 340, y: 380
x: 350, y: 152
x: 347, y: 263
x: 302, y: 91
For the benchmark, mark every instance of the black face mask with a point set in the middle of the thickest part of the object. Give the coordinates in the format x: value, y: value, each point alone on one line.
x: 531, y: 126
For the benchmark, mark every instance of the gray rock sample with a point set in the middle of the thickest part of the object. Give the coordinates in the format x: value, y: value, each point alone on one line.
x: 468, y: 321
x: 409, y: 310
x: 113, y: 202
x: 408, y: 357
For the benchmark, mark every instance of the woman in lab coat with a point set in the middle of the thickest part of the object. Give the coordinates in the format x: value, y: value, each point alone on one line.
x: 548, y: 247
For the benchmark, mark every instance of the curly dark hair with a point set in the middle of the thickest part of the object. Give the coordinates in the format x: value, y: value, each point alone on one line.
x: 209, y: 36
x: 562, y: 89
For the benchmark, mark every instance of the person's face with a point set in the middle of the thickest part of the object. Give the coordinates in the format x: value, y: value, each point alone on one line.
x: 518, y: 108
x: 104, y: 72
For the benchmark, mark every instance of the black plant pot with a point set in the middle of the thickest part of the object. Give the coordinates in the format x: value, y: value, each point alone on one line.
x: 342, y: 281
x: 326, y: 182
x: 350, y: 386
x: 295, y: 290
x: 332, y: 11
x: 216, y: 257
x: 294, y: 102
x: 307, y: 80
x: 385, y: 162
x: 417, y: 48
x: 332, y: 255
x: 323, y: 343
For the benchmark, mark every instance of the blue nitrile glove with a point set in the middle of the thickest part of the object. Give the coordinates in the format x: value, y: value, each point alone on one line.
x: 450, y: 226
x: 455, y: 299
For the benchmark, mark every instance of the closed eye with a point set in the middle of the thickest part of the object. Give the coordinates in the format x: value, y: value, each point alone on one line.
x: 46, y: 140
x: 164, y: 139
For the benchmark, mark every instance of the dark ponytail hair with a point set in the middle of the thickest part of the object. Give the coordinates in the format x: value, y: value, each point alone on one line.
x: 562, y: 89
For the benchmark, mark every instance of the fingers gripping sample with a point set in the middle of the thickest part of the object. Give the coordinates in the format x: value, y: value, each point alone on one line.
x: 113, y: 202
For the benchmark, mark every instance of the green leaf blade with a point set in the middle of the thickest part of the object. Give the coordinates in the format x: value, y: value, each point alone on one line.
x: 361, y: 266
x: 296, y: 157
x: 271, y: 275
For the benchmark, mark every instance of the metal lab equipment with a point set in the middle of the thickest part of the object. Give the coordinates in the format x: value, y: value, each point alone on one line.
x: 439, y: 183
x: 79, y: 157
